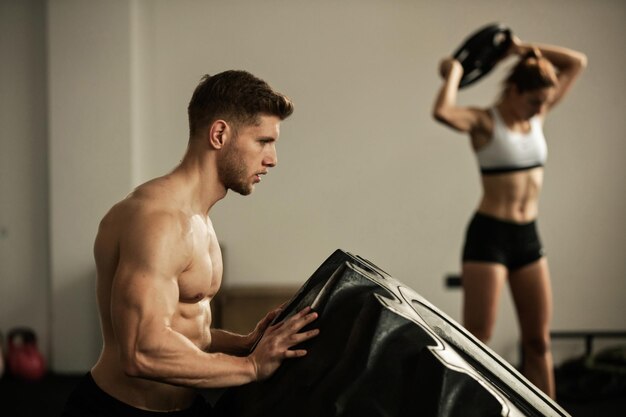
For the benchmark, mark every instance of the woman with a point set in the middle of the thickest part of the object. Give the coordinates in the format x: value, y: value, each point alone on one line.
x: 502, y: 241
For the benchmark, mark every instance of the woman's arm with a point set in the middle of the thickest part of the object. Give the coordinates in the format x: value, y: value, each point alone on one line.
x: 446, y: 110
x: 568, y: 63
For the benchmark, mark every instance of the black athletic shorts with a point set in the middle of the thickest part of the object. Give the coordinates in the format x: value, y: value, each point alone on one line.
x: 513, y: 245
x: 88, y: 400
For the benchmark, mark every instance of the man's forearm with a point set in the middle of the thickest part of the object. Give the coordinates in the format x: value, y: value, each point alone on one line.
x: 230, y: 343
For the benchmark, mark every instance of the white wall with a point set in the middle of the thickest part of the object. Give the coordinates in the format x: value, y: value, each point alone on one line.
x: 24, y: 260
x: 90, y: 155
x: 362, y: 166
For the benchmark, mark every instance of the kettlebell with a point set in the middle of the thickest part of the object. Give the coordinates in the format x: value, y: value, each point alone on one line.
x: 24, y: 360
x: 1, y: 356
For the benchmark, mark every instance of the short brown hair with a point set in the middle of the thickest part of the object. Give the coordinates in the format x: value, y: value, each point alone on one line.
x: 237, y: 97
x: 532, y: 72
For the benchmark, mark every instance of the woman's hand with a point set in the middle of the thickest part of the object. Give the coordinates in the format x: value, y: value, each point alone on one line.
x: 516, y: 48
x: 449, y: 65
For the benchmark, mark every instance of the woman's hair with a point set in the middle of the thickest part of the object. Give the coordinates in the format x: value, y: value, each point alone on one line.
x: 532, y: 72
x: 237, y: 97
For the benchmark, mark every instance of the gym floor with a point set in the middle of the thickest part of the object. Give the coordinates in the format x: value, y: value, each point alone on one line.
x: 46, y: 398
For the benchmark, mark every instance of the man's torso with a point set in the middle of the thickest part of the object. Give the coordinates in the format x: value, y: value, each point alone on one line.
x: 197, y: 284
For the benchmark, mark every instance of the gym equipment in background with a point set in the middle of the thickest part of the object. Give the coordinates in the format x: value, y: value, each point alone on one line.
x: 383, y: 350
x: 24, y: 361
x: 481, y: 51
x: 1, y: 355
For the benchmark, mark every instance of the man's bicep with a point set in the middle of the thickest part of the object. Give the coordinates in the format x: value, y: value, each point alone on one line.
x: 145, y: 292
x: 142, y: 306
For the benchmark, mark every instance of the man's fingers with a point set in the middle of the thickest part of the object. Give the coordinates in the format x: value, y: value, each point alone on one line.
x: 294, y: 353
x: 287, y: 333
x: 306, y: 310
x: 298, y: 320
x: 276, y: 311
x: 301, y: 337
x: 304, y: 317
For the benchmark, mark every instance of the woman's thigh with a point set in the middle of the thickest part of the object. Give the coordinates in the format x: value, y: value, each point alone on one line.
x: 532, y: 294
x: 482, y: 287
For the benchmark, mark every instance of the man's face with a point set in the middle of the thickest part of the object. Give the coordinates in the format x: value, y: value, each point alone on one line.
x: 249, y: 155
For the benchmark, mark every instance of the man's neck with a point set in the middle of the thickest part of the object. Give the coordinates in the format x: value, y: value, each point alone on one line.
x: 198, y: 173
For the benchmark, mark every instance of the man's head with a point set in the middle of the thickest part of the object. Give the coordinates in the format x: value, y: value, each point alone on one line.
x: 238, y: 98
x: 247, y: 157
x: 238, y: 116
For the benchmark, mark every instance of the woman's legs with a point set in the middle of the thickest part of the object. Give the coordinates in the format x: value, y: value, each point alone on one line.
x: 482, y: 285
x: 532, y: 294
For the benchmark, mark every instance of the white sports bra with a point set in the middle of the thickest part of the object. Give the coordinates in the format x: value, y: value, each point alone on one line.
x: 512, y: 151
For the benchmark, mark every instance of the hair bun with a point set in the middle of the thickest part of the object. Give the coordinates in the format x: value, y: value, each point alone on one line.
x: 534, y: 52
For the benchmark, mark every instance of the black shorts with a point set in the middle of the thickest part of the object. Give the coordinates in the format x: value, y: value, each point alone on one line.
x: 88, y: 400
x: 511, y: 244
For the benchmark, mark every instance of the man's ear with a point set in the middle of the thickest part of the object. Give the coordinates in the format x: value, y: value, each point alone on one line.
x: 218, y: 133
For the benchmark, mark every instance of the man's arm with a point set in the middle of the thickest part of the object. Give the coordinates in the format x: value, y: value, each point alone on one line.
x: 230, y: 343
x: 144, y: 299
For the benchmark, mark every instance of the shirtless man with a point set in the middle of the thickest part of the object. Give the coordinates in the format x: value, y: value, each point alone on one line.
x: 159, y: 265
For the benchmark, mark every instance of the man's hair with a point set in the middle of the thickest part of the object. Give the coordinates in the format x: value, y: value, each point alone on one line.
x: 237, y: 97
x: 532, y: 72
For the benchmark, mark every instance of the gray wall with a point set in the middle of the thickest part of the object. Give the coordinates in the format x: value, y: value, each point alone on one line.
x: 362, y: 166
x: 24, y: 248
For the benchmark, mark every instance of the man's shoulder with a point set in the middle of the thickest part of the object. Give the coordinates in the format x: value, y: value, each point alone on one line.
x: 147, y: 206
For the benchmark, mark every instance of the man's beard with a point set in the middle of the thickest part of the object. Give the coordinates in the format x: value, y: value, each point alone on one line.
x: 232, y: 173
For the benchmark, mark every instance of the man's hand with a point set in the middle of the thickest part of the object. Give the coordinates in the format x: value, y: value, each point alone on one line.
x: 277, y: 340
x: 256, y: 334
